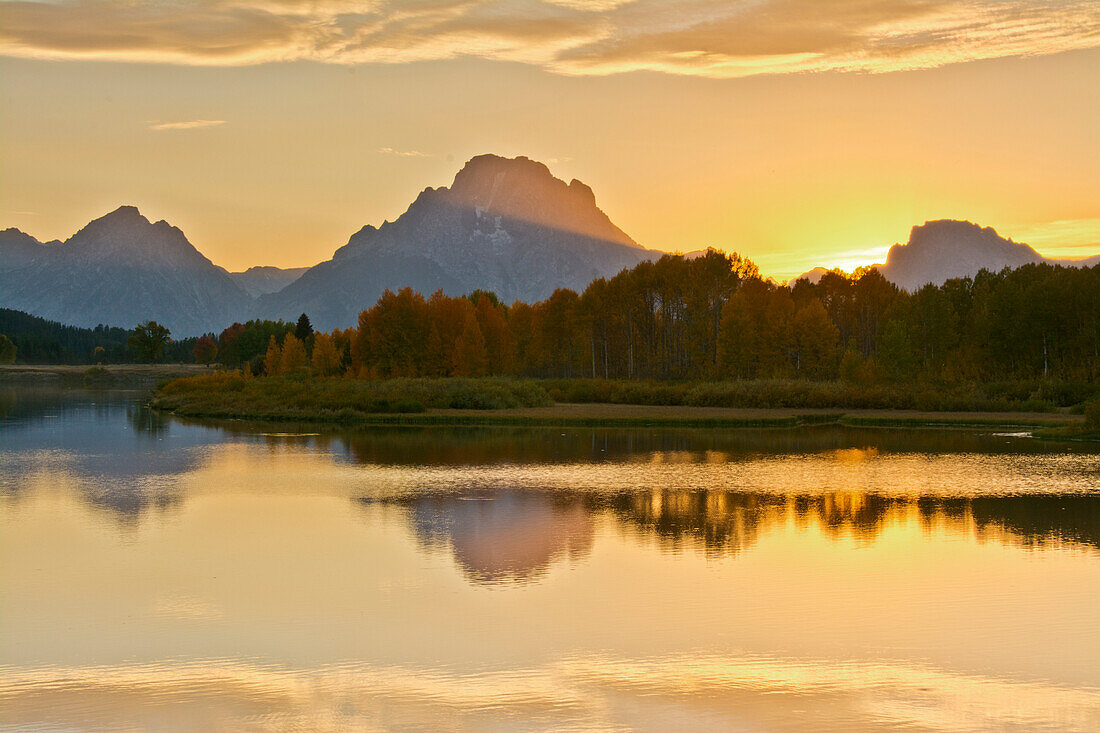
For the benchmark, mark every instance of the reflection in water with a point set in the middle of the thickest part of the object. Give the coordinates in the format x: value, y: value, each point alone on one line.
x: 727, y: 522
x: 431, y: 579
x: 580, y: 693
x: 514, y: 536
x: 504, y: 536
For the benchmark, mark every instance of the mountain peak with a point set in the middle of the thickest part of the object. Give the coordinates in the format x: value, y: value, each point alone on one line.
x: 942, y: 249
x: 484, y: 175
x: 505, y: 224
x: 524, y: 190
x: 124, y: 213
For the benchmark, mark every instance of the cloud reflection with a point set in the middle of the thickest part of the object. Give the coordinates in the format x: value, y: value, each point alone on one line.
x: 583, y: 693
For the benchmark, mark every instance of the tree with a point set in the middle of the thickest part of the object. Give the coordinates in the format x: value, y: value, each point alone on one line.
x: 494, y: 328
x: 303, y: 331
x: 393, y: 336
x: 816, y: 338
x: 206, y: 350
x: 273, y: 359
x: 245, y: 342
x: 99, y: 355
x: 293, y: 359
x: 326, y: 360
x: 470, y: 356
x: 147, y: 341
x: 7, y: 350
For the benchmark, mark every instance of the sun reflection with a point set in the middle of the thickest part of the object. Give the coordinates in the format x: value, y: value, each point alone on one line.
x: 855, y: 455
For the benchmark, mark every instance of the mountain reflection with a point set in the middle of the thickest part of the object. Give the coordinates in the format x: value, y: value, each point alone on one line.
x: 503, y: 537
x: 511, y: 536
x: 115, y: 453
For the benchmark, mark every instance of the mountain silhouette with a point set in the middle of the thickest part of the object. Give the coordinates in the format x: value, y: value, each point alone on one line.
x: 505, y: 225
x: 940, y: 250
x: 120, y: 269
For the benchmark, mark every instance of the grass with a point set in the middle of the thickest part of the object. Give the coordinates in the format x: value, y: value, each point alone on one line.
x: 337, y: 399
x: 525, y: 402
x: 1022, y: 396
x: 108, y: 375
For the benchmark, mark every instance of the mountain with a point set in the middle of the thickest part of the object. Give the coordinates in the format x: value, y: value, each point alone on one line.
x: 261, y: 280
x: 18, y: 249
x: 814, y: 276
x: 947, y: 248
x: 120, y: 269
x: 505, y: 224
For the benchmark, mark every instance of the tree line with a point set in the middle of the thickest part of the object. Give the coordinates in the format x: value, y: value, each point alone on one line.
x: 34, y: 340
x: 710, y: 317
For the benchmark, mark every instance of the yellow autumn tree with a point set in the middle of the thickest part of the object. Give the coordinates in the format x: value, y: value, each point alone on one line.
x: 326, y: 361
x: 273, y: 358
x: 294, y: 355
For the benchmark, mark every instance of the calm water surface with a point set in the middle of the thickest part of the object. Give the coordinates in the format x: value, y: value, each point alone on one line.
x: 163, y: 575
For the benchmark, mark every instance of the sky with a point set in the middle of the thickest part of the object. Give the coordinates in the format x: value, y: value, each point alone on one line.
x: 796, y: 132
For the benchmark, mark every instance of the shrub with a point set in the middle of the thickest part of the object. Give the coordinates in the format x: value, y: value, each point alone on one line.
x: 1092, y: 414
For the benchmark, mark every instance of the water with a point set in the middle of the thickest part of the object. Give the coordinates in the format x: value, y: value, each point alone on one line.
x: 163, y: 575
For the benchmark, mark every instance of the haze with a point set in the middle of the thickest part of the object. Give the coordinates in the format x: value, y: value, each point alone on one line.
x: 797, y: 133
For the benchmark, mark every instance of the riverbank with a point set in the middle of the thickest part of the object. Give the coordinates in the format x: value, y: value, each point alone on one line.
x: 107, y: 375
x: 487, y: 402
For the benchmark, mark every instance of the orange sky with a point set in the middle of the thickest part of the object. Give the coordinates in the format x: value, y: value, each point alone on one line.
x: 798, y: 132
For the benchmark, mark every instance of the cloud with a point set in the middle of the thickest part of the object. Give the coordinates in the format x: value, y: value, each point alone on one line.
x: 186, y: 125
x: 1069, y: 238
x: 715, y: 38
x: 404, y: 153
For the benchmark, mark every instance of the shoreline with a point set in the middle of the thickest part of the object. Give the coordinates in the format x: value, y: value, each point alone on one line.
x: 108, y: 375
x: 505, y: 402
x: 608, y: 415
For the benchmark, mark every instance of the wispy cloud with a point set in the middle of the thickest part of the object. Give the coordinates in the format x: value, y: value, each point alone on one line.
x: 1068, y: 238
x: 404, y: 153
x: 185, y: 125
x: 715, y: 38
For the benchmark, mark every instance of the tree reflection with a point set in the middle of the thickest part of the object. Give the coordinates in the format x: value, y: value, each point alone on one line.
x: 512, y: 536
x: 726, y: 523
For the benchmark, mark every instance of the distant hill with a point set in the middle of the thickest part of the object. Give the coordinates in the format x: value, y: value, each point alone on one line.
x: 940, y: 250
x: 261, y: 280
x: 505, y: 225
x: 120, y: 269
